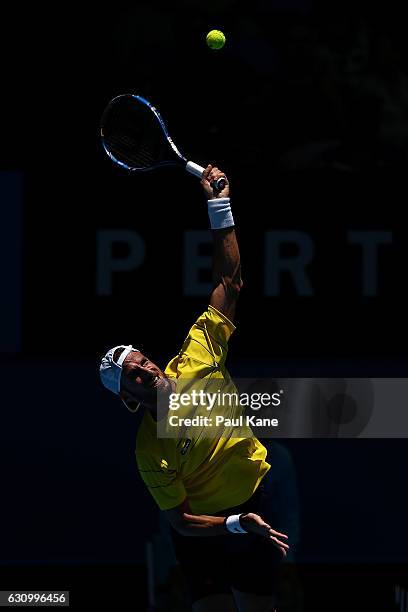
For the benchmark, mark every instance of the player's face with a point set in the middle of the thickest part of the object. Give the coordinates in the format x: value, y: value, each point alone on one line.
x: 143, y: 380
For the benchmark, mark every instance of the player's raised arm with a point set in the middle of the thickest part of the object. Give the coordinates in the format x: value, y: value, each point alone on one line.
x: 227, y: 263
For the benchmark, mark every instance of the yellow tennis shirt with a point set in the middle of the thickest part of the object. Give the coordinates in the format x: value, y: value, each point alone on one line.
x: 213, y: 473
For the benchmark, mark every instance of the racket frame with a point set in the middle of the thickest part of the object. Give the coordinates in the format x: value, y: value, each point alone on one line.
x: 190, y: 166
x: 156, y: 113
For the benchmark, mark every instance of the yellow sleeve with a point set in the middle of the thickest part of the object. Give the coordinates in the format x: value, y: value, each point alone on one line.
x: 165, y: 486
x: 206, y: 345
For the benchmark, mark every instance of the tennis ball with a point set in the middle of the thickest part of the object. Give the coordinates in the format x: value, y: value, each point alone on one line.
x: 215, y: 39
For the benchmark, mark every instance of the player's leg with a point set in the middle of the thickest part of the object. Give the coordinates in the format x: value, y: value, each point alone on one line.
x: 255, y: 566
x: 215, y: 603
x: 250, y: 602
x: 255, y: 577
x: 261, y: 591
x: 203, y: 564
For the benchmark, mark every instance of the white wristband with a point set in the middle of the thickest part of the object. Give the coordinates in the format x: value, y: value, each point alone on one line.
x: 233, y: 525
x: 219, y: 211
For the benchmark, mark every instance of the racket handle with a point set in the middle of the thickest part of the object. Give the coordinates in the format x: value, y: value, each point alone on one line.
x: 197, y: 170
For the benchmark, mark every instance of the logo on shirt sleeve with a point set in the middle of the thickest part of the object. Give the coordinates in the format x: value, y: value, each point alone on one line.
x: 185, y: 446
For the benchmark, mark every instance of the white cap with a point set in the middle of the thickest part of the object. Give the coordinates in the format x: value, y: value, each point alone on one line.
x: 110, y: 370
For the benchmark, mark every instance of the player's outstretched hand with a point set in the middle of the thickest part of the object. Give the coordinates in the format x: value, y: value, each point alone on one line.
x: 253, y: 523
x: 212, y: 174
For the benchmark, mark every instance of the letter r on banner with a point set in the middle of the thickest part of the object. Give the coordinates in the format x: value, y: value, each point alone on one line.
x: 277, y: 265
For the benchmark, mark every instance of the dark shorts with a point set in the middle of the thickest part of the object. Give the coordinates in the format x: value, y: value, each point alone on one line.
x: 247, y: 563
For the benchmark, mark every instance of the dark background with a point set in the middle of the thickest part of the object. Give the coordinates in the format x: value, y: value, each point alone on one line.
x: 306, y: 109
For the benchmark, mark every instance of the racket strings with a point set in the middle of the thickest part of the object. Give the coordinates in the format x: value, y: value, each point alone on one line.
x: 127, y: 149
x: 133, y: 136
x: 138, y: 151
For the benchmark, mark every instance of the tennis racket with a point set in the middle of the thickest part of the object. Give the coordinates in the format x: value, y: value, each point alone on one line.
x: 136, y: 138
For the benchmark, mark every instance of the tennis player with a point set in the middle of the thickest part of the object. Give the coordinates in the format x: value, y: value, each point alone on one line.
x: 214, y: 491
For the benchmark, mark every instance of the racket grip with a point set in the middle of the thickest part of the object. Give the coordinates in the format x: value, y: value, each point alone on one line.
x: 197, y: 170
x: 219, y: 184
